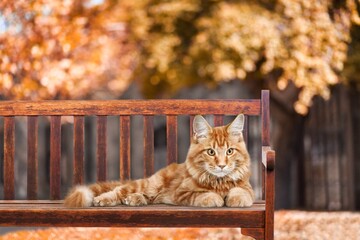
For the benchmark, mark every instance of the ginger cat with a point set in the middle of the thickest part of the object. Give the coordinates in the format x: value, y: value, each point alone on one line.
x: 216, y: 173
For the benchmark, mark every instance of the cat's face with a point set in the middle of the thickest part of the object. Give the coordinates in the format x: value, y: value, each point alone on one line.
x: 219, y: 151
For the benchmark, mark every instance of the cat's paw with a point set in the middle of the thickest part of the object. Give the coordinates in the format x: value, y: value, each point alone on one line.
x: 239, y: 197
x: 135, y: 199
x: 209, y: 199
x: 107, y: 199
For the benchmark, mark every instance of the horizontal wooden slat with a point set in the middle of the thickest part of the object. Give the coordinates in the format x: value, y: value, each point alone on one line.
x: 130, y: 107
x: 43, y: 202
x: 4, y: 203
x: 58, y: 204
x: 148, y: 216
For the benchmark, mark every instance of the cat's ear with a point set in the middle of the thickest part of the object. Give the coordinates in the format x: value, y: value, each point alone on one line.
x: 201, y: 127
x: 236, y: 127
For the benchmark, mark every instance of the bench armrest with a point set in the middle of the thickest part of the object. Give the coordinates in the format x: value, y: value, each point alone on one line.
x: 268, y: 158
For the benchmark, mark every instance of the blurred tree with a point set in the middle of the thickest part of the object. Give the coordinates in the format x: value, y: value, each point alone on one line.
x: 68, y: 49
x: 351, y: 74
x: 186, y: 42
x: 63, y: 49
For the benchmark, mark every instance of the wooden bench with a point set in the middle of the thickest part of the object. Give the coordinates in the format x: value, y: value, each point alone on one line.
x: 256, y: 221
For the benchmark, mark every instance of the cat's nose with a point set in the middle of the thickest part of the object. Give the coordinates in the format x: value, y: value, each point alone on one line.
x: 221, y: 166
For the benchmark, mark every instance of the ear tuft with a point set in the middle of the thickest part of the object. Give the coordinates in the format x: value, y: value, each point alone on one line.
x: 237, y: 126
x: 201, y: 127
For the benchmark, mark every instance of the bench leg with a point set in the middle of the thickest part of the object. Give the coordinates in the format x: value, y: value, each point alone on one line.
x: 257, y: 233
x: 269, y: 195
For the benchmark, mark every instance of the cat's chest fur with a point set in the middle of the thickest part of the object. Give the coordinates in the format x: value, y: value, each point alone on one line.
x: 176, y: 179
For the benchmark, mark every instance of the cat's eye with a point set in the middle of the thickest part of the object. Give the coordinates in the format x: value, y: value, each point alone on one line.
x: 211, y: 152
x: 229, y: 151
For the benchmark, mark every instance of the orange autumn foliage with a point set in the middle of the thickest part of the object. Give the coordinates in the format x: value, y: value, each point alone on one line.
x: 62, y: 49
x: 95, y: 48
x: 288, y: 225
x: 129, y: 233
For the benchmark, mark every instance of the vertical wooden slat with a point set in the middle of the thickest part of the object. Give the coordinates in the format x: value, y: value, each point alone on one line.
x: 101, y: 148
x: 78, y: 150
x: 9, y: 156
x: 265, y: 117
x: 265, y: 127
x: 218, y: 120
x: 55, y: 155
x: 246, y: 129
x: 32, y: 167
x: 125, y: 168
x: 171, y: 139
x: 191, y: 127
x: 148, y: 145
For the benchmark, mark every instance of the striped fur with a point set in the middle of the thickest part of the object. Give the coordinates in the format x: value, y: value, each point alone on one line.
x: 215, y: 173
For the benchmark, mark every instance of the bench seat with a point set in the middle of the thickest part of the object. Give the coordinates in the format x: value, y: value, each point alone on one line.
x: 53, y: 213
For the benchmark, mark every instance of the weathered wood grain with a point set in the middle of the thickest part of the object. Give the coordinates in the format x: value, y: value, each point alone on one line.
x: 265, y: 117
x: 125, y: 161
x: 269, y: 195
x: 129, y: 107
x: 32, y: 157
x: 55, y: 156
x: 257, y: 233
x: 263, y: 180
x: 246, y: 129
x: 265, y: 129
x: 191, y: 126
x: 258, y: 204
x: 171, y: 139
x: 148, y: 145
x: 253, y: 220
x: 149, y: 216
x: 78, y: 150
x: 9, y: 157
x: 218, y: 120
x: 101, y: 122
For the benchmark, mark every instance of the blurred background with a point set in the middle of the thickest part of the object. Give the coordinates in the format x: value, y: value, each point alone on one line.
x: 307, y: 52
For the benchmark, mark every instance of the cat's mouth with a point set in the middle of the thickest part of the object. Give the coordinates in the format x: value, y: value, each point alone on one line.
x: 219, y: 172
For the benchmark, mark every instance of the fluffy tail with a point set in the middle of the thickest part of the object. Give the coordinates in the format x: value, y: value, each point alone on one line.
x: 83, y: 196
x: 79, y: 196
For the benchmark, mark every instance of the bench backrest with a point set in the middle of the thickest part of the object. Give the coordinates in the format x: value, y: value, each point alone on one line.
x: 101, y: 109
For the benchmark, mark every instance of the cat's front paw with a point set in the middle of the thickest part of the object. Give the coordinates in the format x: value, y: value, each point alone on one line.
x: 107, y: 199
x: 239, y: 197
x: 209, y: 199
x: 135, y: 199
